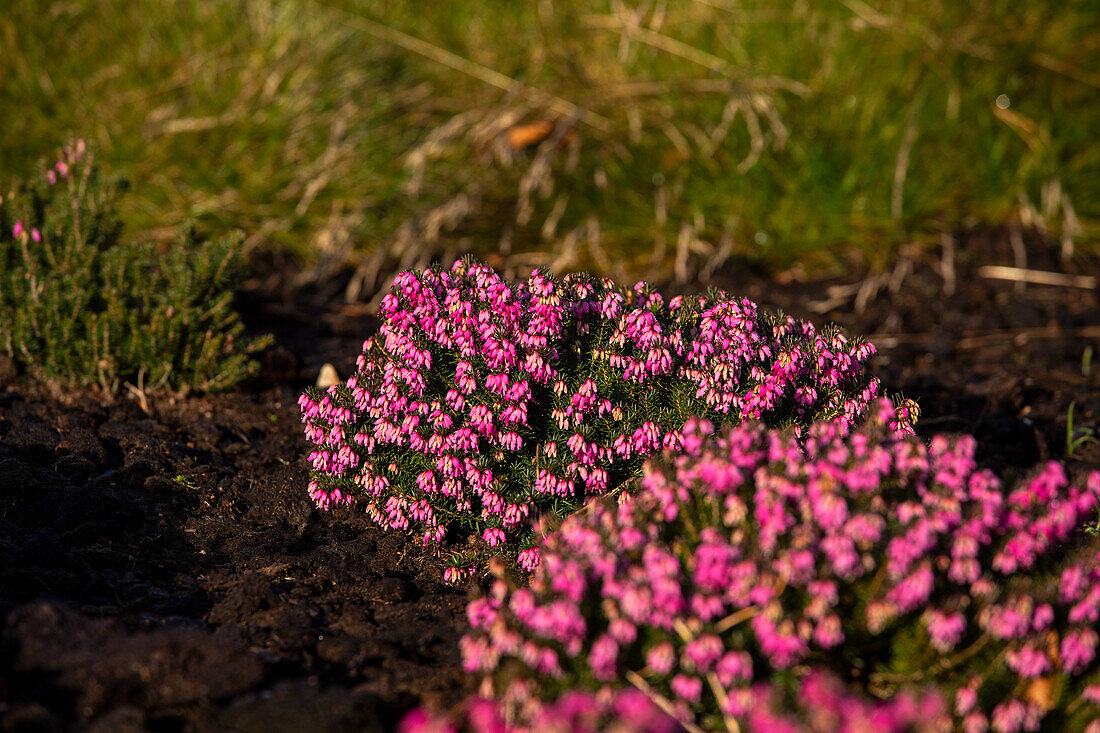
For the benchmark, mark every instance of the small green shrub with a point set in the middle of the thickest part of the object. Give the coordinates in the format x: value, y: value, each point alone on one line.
x: 80, y: 306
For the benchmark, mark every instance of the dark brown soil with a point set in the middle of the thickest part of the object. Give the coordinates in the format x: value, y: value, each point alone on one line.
x: 161, y: 567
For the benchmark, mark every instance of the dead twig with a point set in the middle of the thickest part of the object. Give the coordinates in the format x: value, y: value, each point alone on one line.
x: 1036, y: 277
x: 138, y: 391
x: 736, y: 618
x: 659, y: 700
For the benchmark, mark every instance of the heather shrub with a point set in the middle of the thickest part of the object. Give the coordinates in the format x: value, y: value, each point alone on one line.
x: 480, y: 405
x: 753, y: 556
x: 80, y: 306
x: 627, y: 711
x: 819, y: 704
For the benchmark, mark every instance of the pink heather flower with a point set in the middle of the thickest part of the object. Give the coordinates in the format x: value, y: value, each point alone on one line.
x: 945, y: 629
x: 485, y: 717
x: 529, y: 559
x: 827, y: 632
x: 703, y: 652
x: 975, y: 722
x: 481, y: 612
x: 966, y: 698
x: 1029, y: 661
x: 1042, y: 618
x: 779, y: 642
x: 567, y: 578
x: 628, y: 711
x: 478, y: 654
x: 1072, y: 584
x: 457, y: 575
x: 1013, y: 716
x: 687, y: 688
x: 17, y: 229
x: 623, y: 631
x: 734, y: 668
x: 1008, y: 622
x: 1088, y: 608
x: 494, y: 536
x: 36, y: 235
x: 661, y: 658
x: 603, y: 658
x: 982, y: 588
x: 1078, y: 649
x: 422, y: 721
x: 879, y: 614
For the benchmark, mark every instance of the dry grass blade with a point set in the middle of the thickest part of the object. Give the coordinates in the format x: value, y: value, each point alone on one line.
x: 901, y: 165
x: 1065, y: 69
x: 471, y: 68
x: 662, y: 42
x: 719, y: 258
x: 735, y: 618
x: 657, y: 87
x: 659, y: 700
x: 978, y: 339
x: 732, y: 726
x: 1037, y: 277
x: 947, y: 261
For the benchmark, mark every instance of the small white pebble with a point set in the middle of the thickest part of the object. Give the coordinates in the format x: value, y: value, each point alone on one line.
x: 327, y: 377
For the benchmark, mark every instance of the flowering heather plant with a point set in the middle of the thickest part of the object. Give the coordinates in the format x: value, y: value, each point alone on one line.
x: 625, y: 711
x: 751, y: 555
x: 481, y: 404
x: 80, y: 306
x: 820, y: 704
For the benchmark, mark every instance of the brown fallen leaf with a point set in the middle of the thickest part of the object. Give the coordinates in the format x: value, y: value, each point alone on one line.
x: 1043, y: 691
x: 533, y: 133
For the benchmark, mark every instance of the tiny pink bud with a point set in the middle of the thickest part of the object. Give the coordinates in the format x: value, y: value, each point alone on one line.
x: 17, y: 229
x: 35, y: 235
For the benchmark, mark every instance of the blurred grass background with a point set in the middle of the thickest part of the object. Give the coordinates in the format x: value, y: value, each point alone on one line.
x: 644, y: 139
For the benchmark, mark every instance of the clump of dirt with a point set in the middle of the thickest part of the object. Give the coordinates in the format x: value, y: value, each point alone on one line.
x: 161, y: 567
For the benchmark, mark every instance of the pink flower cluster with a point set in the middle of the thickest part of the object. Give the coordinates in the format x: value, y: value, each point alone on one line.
x: 71, y: 154
x: 625, y: 711
x: 481, y: 404
x: 821, y: 705
x: 751, y: 554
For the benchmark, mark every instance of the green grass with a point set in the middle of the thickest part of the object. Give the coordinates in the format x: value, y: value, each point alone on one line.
x: 813, y: 133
